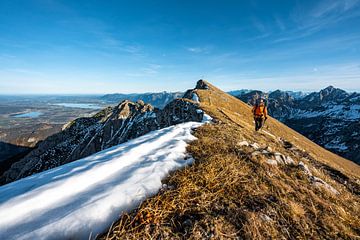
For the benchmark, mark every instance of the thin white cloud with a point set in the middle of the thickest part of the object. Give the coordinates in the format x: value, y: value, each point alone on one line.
x: 327, y: 7
x: 198, y: 50
x: 323, y: 15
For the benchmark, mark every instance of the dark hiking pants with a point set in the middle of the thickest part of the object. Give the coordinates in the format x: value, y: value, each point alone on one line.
x: 259, y: 121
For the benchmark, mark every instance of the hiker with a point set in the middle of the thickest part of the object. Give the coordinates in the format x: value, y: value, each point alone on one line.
x: 260, y: 114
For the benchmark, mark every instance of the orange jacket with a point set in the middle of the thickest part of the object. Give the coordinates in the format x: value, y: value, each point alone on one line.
x: 259, y: 110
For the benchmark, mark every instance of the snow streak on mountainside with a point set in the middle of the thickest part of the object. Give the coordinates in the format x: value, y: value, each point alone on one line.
x: 84, y: 197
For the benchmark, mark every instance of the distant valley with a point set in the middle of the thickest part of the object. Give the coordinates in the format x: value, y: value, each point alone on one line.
x: 26, y: 120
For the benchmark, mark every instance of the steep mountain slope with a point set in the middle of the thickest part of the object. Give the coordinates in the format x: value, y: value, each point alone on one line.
x: 83, y: 197
x: 109, y: 127
x: 158, y: 100
x: 272, y: 184
x: 330, y: 117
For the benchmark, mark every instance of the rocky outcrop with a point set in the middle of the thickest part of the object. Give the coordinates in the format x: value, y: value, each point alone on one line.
x: 109, y: 127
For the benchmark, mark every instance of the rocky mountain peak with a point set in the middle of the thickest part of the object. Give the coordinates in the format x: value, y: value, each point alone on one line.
x: 202, y: 84
x: 250, y: 97
x: 278, y: 94
x: 329, y: 88
x: 329, y: 94
x: 127, y: 108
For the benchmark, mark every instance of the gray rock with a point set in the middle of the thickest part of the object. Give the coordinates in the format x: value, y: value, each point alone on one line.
x: 243, y: 143
x: 268, y: 148
x: 265, y: 217
x: 318, y: 182
x: 255, y: 153
x: 304, y: 168
x: 255, y: 146
x: 289, y: 161
x: 279, y: 158
x: 272, y: 162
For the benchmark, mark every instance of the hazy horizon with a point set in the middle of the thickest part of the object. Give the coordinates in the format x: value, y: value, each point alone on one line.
x: 100, y: 47
x: 106, y: 93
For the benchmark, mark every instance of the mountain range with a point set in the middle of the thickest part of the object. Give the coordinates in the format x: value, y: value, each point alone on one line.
x: 330, y: 117
x: 159, y: 99
x: 195, y: 169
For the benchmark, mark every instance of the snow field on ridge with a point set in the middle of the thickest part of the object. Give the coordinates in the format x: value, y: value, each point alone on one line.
x: 85, y: 196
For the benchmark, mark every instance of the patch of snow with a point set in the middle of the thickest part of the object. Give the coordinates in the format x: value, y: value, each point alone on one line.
x: 206, y: 118
x: 150, y: 114
x: 336, y: 144
x: 195, y: 97
x: 339, y: 147
x: 334, y: 111
x: 271, y: 162
x: 354, y: 99
x: 84, y: 197
x: 199, y: 111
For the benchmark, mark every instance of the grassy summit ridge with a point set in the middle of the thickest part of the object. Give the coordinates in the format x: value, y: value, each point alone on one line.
x: 247, y: 185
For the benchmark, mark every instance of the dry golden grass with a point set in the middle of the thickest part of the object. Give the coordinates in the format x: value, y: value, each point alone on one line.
x: 228, y: 193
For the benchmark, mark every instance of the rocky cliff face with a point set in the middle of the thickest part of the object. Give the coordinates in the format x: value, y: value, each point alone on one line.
x: 111, y: 126
x: 330, y: 117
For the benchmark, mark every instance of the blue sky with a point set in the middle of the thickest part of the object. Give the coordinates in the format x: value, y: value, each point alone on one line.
x: 54, y: 46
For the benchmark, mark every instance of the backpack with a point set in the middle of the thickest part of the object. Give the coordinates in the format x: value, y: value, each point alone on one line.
x: 257, y: 102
